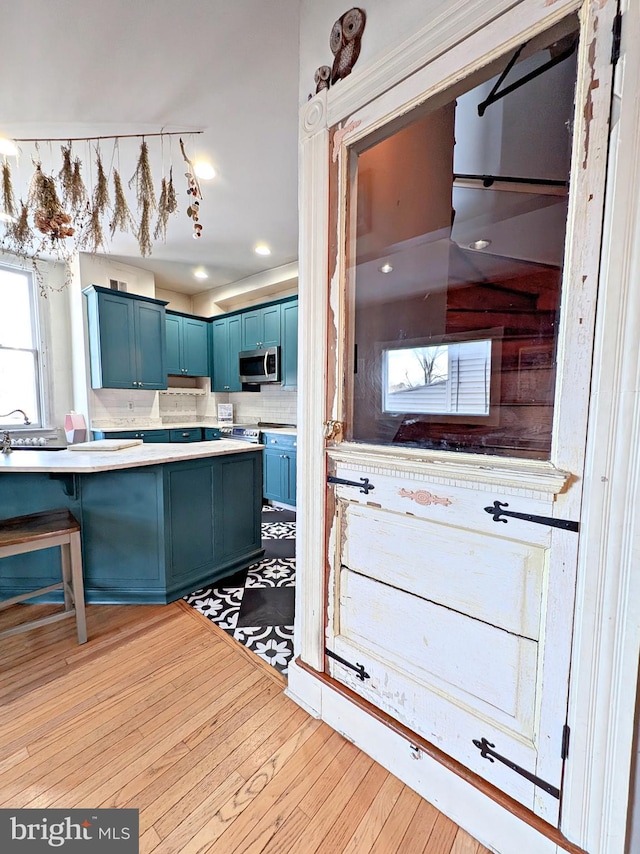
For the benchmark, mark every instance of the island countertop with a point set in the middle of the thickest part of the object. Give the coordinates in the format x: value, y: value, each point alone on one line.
x: 86, y: 462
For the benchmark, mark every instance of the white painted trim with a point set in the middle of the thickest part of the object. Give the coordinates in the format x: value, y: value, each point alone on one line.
x: 607, y: 630
x: 312, y: 338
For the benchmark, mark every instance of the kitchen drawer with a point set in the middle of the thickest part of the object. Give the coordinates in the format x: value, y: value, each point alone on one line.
x: 145, y: 435
x: 209, y: 433
x: 192, y: 434
x: 279, y: 440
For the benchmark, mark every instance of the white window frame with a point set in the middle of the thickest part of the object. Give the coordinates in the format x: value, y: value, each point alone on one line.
x: 38, y: 420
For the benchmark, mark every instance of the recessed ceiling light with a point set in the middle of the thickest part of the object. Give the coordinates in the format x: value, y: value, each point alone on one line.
x: 204, y: 170
x: 5, y: 217
x: 8, y: 147
x: 386, y: 268
x: 201, y: 274
x: 262, y: 249
x: 480, y: 244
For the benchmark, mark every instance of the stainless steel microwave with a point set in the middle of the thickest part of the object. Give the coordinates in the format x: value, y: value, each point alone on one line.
x: 259, y: 366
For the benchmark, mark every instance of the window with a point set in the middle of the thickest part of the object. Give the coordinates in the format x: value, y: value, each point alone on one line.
x: 452, y: 379
x: 20, y: 363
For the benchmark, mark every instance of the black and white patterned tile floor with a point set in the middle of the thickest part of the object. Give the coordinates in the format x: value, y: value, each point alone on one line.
x: 256, y: 605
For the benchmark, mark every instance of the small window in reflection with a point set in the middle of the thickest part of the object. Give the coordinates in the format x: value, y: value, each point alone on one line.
x: 451, y: 379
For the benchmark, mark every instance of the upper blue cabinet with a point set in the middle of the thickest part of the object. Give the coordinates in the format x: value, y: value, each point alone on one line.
x: 127, y: 340
x: 187, y: 345
x: 290, y: 344
x: 261, y: 327
x: 226, y: 336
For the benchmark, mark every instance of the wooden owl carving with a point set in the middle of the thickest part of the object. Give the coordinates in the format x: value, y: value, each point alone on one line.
x: 345, y: 42
x: 321, y: 77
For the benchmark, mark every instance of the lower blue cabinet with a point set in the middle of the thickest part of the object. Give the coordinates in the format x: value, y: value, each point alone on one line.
x: 280, y: 468
x: 145, y: 435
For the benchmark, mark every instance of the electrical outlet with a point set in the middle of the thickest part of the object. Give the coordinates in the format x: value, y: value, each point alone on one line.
x: 130, y: 404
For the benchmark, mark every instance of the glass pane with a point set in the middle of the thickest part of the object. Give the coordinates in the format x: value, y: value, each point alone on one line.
x: 16, y: 328
x: 456, y: 224
x: 18, y: 386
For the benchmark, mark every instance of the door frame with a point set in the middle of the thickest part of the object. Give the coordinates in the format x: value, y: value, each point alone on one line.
x: 606, y: 644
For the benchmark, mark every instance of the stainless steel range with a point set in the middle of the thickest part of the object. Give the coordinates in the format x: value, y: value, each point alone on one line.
x: 244, y: 434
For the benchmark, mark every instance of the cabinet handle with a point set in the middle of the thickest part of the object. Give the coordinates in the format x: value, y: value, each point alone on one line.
x: 185, y: 435
x: 139, y: 385
x: 226, y: 386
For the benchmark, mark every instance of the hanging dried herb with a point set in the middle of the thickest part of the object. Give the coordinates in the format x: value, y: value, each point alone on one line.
x: 122, y: 219
x: 93, y: 238
x: 101, y: 189
x: 144, y: 233
x: 143, y: 180
x: 8, y: 204
x: 79, y: 193
x: 65, y: 175
x: 172, y: 198
x: 48, y: 214
x: 20, y: 231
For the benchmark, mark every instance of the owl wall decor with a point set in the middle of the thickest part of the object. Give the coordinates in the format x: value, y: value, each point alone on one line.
x: 344, y: 42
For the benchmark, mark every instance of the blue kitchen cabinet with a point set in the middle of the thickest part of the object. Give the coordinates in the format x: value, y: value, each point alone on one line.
x: 127, y: 340
x: 187, y: 345
x: 261, y: 327
x: 279, y: 468
x: 289, y: 353
x: 150, y: 534
x: 225, y: 345
x: 145, y: 435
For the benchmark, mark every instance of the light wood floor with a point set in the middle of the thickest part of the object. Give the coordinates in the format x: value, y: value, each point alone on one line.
x: 162, y: 712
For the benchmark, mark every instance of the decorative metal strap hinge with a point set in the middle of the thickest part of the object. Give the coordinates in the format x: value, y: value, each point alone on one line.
x: 566, y: 735
x: 364, y: 484
x: 486, y: 751
x: 497, y: 511
x: 360, y: 672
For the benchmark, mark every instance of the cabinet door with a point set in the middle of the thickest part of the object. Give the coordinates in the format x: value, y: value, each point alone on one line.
x: 272, y: 473
x: 151, y: 339
x: 114, y: 365
x: 195, y: 362
x: 220, y: 354
x: 290, y: 345
x: 292, y: 466
x: 251, y: 329
x: 234, y: 339
x: 174, y: 342
x: 270, y: 326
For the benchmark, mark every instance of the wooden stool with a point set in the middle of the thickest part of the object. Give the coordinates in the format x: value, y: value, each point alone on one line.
x: 22, y: 534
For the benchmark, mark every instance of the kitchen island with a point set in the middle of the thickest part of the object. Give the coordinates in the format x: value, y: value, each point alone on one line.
x: 158, y: 520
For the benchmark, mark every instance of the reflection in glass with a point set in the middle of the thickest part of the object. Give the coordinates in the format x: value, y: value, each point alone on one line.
x: 456, y: 230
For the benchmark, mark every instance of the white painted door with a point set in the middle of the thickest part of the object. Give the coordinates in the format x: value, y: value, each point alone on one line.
x: 463, y: 279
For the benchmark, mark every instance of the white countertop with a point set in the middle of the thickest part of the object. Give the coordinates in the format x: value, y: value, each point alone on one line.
x: 86, y: 462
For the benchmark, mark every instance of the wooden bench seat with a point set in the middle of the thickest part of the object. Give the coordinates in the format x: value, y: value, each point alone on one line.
x: 21, y: 534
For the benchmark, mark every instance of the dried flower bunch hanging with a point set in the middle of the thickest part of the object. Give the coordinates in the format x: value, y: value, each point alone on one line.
x: 167, y: 204
x: 8, y: 199
x: 49, y: 216
x: 143, y: 180
x: 122, y: 219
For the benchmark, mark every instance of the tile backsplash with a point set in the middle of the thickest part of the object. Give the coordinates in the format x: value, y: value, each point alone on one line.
x: 117, y: 407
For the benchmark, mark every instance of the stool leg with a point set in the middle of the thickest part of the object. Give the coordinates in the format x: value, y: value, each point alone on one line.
x: 65, y: 557
x: 78, y: 586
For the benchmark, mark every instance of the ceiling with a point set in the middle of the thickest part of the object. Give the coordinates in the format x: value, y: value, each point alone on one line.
x: 79, y: 68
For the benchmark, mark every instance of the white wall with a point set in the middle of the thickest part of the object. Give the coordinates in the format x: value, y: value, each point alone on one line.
x: 98, y: 269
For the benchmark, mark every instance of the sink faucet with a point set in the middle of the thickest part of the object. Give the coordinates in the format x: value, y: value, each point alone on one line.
x: 24, y: 415
x: 6, y: 443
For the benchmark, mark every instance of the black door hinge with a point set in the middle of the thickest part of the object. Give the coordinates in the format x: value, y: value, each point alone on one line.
x: 566, y: 735
x: 486, y: 751
x: 497, y: 511
x: 617, y: 36
x: 361, y: 673
x: 364, y: 484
